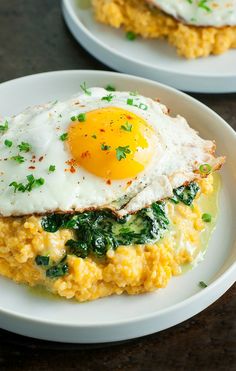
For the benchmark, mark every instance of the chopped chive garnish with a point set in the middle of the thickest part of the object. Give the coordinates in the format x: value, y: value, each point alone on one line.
x: 17, y: 186
x: 32, y: 183
x: 8, y: 143
x: 127, y: 126
x: 18, y: 158
x: 85, y: 89
x: 94, y: 136
x: 4, y: 127
x: 110, y: 88
x: 108, y: 98
x: 121, y: 152
x: 206, y: 217
x: 202, y: 284
x: 52, y: 168
x: 131, y: 36
x: 130, y: 101
x: 64, y: 137
x: 105, y: 147
x: 142, y: 106
x: 81, y: 117
x: 203, y: 4
x: 205, y: 169
x: 24, y: 147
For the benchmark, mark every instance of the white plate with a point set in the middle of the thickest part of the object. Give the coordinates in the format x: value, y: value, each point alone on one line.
x: 153, y: 59
x: 124, y: 317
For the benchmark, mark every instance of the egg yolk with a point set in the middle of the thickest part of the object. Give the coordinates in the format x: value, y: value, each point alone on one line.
x: 111, y: 143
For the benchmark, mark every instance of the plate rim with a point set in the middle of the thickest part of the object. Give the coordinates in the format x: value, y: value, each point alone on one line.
x: 229, y: 273
x: 68, y: 7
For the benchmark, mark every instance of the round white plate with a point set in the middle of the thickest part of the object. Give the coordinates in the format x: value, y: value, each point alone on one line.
x: 153, y: 59
x: 124, y: 317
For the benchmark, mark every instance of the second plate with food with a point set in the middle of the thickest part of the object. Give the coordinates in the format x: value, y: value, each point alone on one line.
x: 153, y: 59
x: 34, y: 313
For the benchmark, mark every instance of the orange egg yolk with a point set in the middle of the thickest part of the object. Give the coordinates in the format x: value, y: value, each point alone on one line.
x: 111, y: 143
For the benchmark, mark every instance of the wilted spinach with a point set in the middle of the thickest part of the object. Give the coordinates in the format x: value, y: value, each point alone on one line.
x: 98, y: 231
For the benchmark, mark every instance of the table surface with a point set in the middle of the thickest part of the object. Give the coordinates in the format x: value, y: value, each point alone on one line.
x: 34, y: 38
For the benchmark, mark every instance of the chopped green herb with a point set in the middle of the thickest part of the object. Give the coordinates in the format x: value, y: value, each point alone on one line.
x: 131, y: 36
x: 105, y: 147
x: 64, y: 137
x: 205, y: 169
x: 110, y: 88
x: 202, y: 284
x: 81, y: 117
x: 17, y: 186
x: 32, y: 183
x: 42, y: 260
x: 4, y: 127
x: 24, y: 147
x: 127, y: 126
x: 141, y: 106
x: 108, y: 98
x: 52, y: 168
x: 18, y: 158
x: 206, y: 217
x: 85, y: 89
x: 121, y: 152
x: 203, y: 4
x: 94, y: 136
x: 130, y: 101
x: 8, y: 143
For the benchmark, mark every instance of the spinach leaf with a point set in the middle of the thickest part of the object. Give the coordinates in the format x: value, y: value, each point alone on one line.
x: 58, y: 270
x: 77, y: 248
x: 51, y: 223
x: 42, y: 260
x: 185, y: 194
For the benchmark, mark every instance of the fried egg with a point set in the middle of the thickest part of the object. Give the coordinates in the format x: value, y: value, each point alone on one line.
x: 98, y: 149
x: 217, y: 13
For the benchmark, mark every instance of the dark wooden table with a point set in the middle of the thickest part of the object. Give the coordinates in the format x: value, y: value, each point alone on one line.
x: 34, y: 38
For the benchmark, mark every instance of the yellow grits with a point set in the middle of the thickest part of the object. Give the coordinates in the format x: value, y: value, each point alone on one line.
x: 138, y: 17
x: 131, y: 269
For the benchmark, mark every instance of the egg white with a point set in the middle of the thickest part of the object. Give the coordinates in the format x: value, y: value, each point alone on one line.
x: 178, y: 154
x: 217, y: 13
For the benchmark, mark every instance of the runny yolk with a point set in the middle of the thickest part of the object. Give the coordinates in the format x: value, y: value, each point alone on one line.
x: 111, y: 143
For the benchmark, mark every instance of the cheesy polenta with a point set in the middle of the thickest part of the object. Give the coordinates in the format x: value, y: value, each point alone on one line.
x: 132, y: 269
x: 138, y: 17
